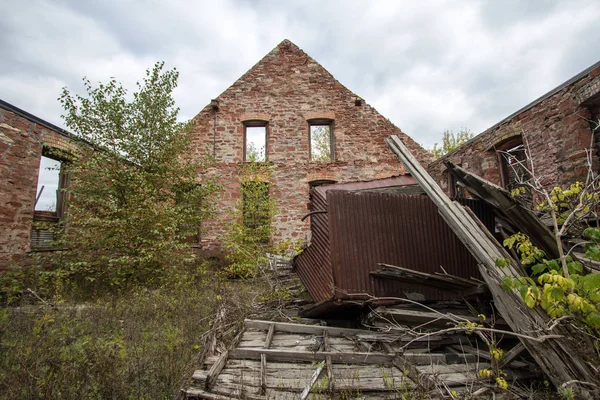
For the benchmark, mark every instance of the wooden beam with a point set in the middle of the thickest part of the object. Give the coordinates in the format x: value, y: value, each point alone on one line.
x: 308, y: 329
x: 281, y: 355
x: 270, y: 336
x: 215, y: 370
x: 294, y: 356
x: 510, y: 355
x: 313, y: 380
x: 408, y: 369
x: 482, y: 354
x: 263, y: 374
x: 328, y: 362
x: 206, y: 395
x: 555, y: 352
x: 441, y: 281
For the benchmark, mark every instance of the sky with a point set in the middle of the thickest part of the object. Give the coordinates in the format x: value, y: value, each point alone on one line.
x: 427, y: 65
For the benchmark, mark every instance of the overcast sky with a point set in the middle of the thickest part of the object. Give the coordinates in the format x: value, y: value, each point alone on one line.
x: 428, y: 65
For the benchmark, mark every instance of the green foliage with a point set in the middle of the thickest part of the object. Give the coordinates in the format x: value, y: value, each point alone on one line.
x: 559, y: 295
x: 247, y: 238
x: 134, y: 346
x: 576, y: 200
x: 451, y: 141
x: 134, y: 200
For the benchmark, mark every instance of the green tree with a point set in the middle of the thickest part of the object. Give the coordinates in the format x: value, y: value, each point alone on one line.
x: 134, y: 199
x: 451, y: 141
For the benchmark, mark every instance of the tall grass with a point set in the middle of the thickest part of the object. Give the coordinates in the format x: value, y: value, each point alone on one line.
x: 135, y: 345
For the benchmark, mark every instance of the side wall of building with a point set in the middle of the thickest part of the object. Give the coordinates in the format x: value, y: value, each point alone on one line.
x: 287, y: 88
x: 557, y: 128
x: 21, y: 144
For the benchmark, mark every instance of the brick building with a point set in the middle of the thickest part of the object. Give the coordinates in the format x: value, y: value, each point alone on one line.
x: 558, y: 127
x: 29, y: 148
x: 287, y: 109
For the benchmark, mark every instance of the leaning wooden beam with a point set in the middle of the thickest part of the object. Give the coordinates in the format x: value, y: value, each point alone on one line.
x: 215, y: 370
x: 313, y: 380
x: 557, y: 357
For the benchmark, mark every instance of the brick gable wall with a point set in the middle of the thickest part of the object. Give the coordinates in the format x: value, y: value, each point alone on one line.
x: 287, y: 88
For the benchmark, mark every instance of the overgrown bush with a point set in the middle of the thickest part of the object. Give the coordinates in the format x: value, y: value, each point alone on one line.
x: 134, y: 197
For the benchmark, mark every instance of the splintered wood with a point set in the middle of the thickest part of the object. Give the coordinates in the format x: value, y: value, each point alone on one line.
x: 276, y: 360
x: 555, y: 351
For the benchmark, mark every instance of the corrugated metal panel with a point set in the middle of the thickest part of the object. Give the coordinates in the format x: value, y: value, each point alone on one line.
x: 313, y: 265
x: 367, y: 228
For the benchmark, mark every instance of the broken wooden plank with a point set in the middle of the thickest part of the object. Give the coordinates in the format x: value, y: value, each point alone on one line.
x: 407, y: 368
x: 308, y: 329
x: 336, y: 358
x: 263, y: 373
x: 309, y: 356
x: 328, y: 360
x: 440, y: 281
x: 403, y: 316
x: 555, y: 352
x: 215, y: 370
x: 313, y: 380
x: 510, y: 355
x: 194, y: 392
x: 520, y: 218
x: 270, y: 336
x: 482, y: 354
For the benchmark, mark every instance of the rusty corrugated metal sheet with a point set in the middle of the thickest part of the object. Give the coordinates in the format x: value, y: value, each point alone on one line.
x: 367, y: 228
x: 313, y: 265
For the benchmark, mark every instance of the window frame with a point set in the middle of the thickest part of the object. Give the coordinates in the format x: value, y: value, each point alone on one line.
x: 50, y: 217
x: 503, y: 168
x: 322, y: 122
x: 254, y: 124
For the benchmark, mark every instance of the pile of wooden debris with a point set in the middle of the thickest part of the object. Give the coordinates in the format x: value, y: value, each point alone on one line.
x: 482, y: 341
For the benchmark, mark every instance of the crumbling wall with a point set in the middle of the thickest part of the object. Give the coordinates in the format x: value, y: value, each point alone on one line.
x: 287, y: 88
x: 557, y: 129
x: 21, y: 142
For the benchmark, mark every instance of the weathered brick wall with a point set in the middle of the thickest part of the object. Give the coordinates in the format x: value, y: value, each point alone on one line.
x: 21, y: 142
x: 556, y: 128
x: 287, y: 88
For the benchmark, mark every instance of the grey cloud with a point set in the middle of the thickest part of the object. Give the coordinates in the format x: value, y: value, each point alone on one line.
x: 427, y: 66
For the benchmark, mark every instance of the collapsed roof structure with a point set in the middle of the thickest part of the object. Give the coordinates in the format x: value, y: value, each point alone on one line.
x: 422, y: 343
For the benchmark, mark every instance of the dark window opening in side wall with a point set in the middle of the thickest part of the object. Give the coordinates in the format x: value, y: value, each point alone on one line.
x: 513, y: 163
x: 321, y: 140
x: 255, y: 141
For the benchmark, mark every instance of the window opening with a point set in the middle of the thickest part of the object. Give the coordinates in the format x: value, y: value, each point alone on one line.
x: 321, y: 140
x: 514, y: 170
x: 257, y: 209
x: 49, y: 203
x: 48, y: 185
x: 255, y: 142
